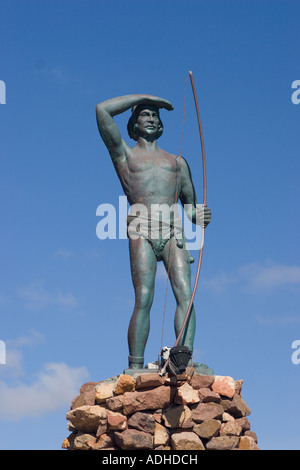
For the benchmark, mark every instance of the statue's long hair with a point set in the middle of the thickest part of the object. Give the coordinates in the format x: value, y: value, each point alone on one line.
x: 132, y: 127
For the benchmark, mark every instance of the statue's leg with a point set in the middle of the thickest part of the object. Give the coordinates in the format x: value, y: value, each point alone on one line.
x: 143, y: 269
x: 180, y: 279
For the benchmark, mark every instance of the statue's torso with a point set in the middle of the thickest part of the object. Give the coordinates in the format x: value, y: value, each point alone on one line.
x: 150, y: 177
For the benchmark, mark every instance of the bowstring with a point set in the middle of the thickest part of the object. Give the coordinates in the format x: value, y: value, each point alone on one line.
x: 176, y: 199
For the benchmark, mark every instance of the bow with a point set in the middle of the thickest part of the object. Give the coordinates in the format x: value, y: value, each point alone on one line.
x: 203, y: 230
x: 204, y: 202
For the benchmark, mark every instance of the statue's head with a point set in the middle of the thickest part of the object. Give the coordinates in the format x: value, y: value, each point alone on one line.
x: 132, y: 126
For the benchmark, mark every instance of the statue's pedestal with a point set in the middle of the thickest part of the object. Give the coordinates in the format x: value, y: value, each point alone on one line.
x: 198, y: 367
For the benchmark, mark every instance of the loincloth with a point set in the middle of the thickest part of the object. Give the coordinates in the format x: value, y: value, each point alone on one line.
x: 157, y: 234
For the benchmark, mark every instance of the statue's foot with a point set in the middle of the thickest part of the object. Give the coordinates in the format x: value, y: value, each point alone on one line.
x: 135, y: 362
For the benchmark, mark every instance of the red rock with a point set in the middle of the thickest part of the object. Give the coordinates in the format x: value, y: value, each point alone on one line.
x: 236, y: 406
x: 201, y: 381
x: 186, y: 441
x: 251, y: 434
x: 103, y: 391
x: 224, y: 386
x: 206, y: 395
x: 207, y: 429
x: 68, y: 442
x: 205, y: 411
x: 115, y: 403
x: 238, y: 386
x: 247, y: 443
x: 227, y: 417
x: 230, y: 428
x: 178, y: 417
x: 186, y: 395
x: 87, y: 418
x: 157, y: 415
x: 244, y: 422
x: 88, y: 386
x: 116, y: 421
x: 161, y: 436
x: 149, y: 380
x: 86, y: 397
x: 77, y: 401
x: 125, y: 383
x: 142, y: 421
x: 153, y: 399
x: 102, y: 428
x: 81, y: 441
x: 105, y: 441
x: 223, y: 443
x: 131, y: 439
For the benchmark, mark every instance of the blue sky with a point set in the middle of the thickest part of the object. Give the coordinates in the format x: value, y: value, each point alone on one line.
x: 66, y: 297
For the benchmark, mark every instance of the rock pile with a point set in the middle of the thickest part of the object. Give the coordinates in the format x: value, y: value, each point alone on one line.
x: 202, y: 412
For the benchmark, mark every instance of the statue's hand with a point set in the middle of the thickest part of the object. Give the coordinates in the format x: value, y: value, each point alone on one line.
x: 168, y: 106
x: 162, y: 103
x: 203, y: 215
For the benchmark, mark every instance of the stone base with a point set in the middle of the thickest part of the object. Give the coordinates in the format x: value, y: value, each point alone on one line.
x: 153, y: 412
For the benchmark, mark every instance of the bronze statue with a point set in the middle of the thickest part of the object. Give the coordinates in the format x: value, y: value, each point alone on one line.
x: 152, y: 177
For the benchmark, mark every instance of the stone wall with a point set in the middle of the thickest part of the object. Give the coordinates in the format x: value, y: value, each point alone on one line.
x: 201, y: 412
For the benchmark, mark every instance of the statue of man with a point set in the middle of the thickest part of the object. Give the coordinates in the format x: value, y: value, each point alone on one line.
x: 152, y: 177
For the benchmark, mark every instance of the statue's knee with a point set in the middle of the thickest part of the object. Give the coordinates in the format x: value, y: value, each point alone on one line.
x: 184, y: 297
x: 145, y: 298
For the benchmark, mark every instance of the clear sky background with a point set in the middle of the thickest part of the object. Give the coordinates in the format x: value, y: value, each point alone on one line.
x: 66, y: 297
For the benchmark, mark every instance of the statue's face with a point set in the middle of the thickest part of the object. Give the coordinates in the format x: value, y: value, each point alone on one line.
x: 148, y: 121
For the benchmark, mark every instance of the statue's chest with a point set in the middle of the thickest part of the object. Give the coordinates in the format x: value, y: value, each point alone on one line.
x: 152, y: 165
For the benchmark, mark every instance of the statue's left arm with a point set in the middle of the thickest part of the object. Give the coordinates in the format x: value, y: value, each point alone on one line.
x: 197, y: 213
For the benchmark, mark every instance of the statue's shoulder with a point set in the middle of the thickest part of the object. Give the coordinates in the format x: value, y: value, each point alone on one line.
x: 185, y: 170
x: 183, y: 162
x: 169, y: 155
